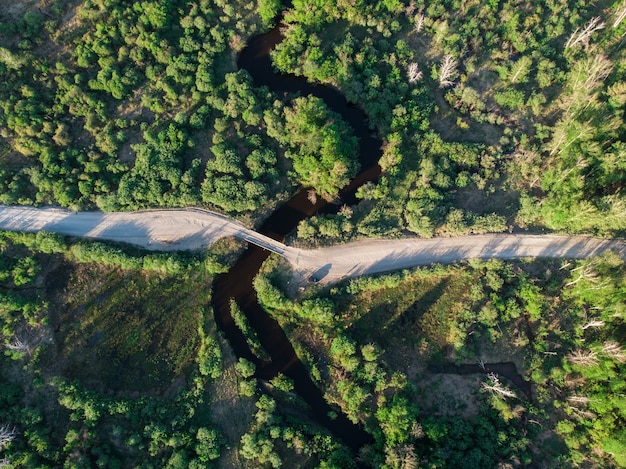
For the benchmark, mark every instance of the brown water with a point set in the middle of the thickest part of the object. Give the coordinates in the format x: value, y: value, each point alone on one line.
x: 237, y: 282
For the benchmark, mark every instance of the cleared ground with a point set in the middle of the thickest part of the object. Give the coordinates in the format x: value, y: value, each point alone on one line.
x: 185, y: 229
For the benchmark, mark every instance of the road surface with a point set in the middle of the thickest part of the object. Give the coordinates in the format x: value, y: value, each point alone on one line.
x: 189, y: 229
x: 158, y: 230
x: 372, y: 256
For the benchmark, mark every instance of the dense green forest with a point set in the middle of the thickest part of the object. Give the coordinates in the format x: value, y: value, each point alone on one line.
x: 493, y: 115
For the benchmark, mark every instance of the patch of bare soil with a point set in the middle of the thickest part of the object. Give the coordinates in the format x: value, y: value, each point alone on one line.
x: 127, y: 154
x: 53, y: 45
x: 439, y: 395
x: 484, y: 81
x: 10, y: 159
x: 131, y: 108
x: 510, y: 345
x: 445, y: 123
x: 203, y: 140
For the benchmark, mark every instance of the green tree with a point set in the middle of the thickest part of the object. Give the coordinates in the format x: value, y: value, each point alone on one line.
x: 321, y: 146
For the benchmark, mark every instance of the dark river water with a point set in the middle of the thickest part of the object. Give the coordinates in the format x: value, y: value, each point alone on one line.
x: 237, y: 282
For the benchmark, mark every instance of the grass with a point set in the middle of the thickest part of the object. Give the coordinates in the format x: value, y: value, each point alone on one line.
x: 15, y: 10
x: 231, y: 412
x: 502, y: 201
x: 427, y: 316
x: 127, y: 330
x: 448, y: 395
x: 423, y: 306
x: 414, y: 320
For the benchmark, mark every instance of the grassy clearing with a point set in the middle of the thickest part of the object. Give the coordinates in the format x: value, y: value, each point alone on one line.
x: 425, y: 306
x: 14, y: 10
x: 433, y: 315
x: 231, y: 412
x: 127, y: 330
x: 447, y: 395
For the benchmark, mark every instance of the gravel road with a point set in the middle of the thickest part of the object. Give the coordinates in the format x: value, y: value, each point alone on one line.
x: 365, y: 257
x: 183, y: 229
x: 162, y: 230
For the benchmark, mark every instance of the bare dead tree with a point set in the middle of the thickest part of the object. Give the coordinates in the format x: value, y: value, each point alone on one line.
x: 419, y: 22
x: 597, y: 70
x: 617, y: 207
x: 5, y: 462
x: 9, y: 59
x: 593, y: 323
x: 447, y: 71
x: 584, y: 272
x: 582, y: 37
x: 410, y: 8
x: 579, y: 399
x: 18, y: 345
x: 615, y: 351
x: 7, y: 435
x: 417, y: 431
x: 588, y: 273
x: 415, y: 74
x: 620, y: 15
x: 583, y: 357
x: 495, y: 387
x: 586, y: 77
x: 583, y: 414
x: 617, y: 92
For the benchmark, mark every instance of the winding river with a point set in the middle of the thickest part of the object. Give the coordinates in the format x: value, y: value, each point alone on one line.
x: 237, y: 282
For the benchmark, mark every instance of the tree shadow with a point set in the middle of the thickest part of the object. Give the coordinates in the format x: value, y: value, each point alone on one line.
x: 409, y: 319
x: 507, y: 370
x: 381, y: 324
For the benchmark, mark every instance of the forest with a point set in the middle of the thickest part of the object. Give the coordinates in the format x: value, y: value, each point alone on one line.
x: 380, y: 346
x: 486, y: 125
x: 495, y: 116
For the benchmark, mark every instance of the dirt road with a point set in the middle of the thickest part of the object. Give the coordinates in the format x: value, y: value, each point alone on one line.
x: 365, y: 257
x: 162, y: 230
x: 170, y: 230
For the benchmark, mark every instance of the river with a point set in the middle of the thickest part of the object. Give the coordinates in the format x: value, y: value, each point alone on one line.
x: 237, y: 282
